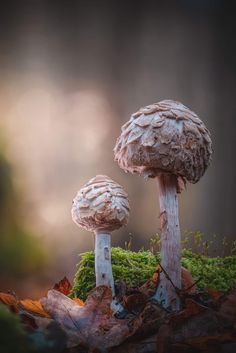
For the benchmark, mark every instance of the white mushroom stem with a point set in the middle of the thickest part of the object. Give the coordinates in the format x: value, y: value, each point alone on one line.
x: 103, y: 267
x: 170, y: 243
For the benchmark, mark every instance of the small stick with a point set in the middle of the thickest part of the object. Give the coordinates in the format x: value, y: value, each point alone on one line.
x: 192, y: 285
x: 169, y: 279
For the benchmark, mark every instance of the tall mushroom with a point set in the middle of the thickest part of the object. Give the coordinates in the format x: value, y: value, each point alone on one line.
x: 166, y: 141
x: 101, y: 206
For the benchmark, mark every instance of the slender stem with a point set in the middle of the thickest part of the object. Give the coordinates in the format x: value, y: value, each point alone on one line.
x: 166, y: 292
x: 103, y: 267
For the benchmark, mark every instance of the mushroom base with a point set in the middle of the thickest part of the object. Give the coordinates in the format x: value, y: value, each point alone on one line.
x: 170, y: 276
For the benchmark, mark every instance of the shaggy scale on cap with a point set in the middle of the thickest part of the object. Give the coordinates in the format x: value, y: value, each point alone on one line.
x: 101, y: 205
x: 164, y: 137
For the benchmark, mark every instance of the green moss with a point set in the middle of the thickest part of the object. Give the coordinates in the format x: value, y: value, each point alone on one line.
x: 135, y: 268
x: 215, y: 272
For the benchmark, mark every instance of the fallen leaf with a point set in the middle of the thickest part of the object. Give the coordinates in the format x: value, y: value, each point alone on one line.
x: 191, y: 308
x: 9, y: 300
x: 162, y: 338
x: 156, y: 275
x: 33, y: 306
x: 135, y: 302
x: 214, y: 294
x: 78, y: 301
x: 91, y: 325
x: 188, y: 285
x: 214, y: 341
x: 227, y: 309
x: 194, y: 324
x: 63, y: 286
x: 120, y: 289
x: 148, y: 288
x: 148, y: 321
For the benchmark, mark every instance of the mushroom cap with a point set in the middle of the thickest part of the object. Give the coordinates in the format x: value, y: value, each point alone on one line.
x: 101, y: 205
x: 164, y: 137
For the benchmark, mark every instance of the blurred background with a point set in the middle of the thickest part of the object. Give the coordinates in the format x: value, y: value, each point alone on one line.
x: 71, y: 73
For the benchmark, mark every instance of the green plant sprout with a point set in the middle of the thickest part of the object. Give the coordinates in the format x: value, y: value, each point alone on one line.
x: 196, y: 241
x: 128, y: 244
x: 155, y: 244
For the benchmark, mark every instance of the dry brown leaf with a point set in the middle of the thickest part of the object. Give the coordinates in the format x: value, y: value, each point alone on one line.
x: 188, y: 285
x: 78, y: 301
x: 33, y: 306
x: 187, y: 281
x: 135, y: 302
x: 163, y: 337
x: 148, y: 321
x: 91, y: 325
x: 63, y: 286
x: 148, y: 288
x: 28, y: 305
x: 191, y: 308
x: 214, y: 293
x: 156, y: 275
x: 228, y: 307
x: 205, y: 342
x: 197, y: 330
x: 9, y: 300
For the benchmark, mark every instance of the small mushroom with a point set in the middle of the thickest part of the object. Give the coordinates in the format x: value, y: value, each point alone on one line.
x: 101, y: 206
x: 167, y: 141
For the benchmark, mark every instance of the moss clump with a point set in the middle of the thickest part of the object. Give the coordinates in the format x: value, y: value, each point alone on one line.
x: 135, y: 268
x: 215, y: 272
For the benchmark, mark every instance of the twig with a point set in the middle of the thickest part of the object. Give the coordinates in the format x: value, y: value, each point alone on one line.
x: 169, y: 279
x: 192, y: 285
x: 178, y: 291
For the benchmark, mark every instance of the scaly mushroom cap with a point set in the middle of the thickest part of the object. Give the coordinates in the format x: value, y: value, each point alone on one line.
x: 164, y: 137
x: 101, y: 205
